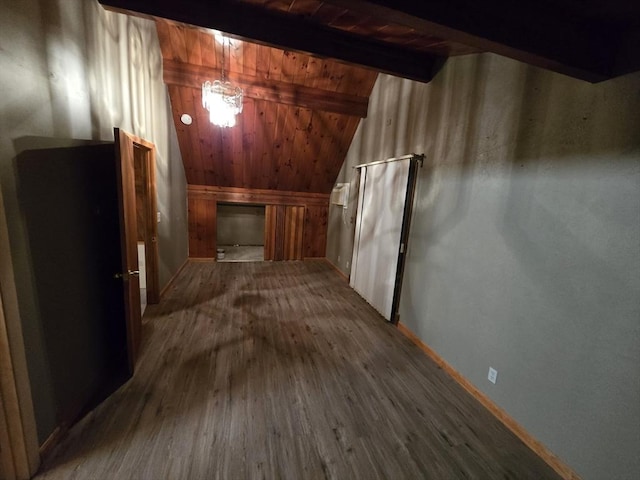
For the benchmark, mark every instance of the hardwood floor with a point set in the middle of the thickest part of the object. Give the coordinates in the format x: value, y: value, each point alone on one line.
x: 280, y: 370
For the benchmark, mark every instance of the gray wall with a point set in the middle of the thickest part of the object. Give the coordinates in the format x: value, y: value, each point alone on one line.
x: 524, y: 252
x: 240, y: 225
x: 70, y: 70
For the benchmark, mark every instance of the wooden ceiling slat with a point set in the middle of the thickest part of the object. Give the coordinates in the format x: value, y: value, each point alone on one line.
x: 183, y: 135
x: 323, y: 79
x: 176, y: 35
x: 276, y: 91
x: 290, y: 32
x: 189, y: 104
x: 275, y: 64
x: 300, y: 72
x: 163, y: 28
x: 288, y: 66
x: 208, y: 51
x: 250, y: 58
x: 193, y: 46
x: 263, y: 59
x: 314, y: 67
x: 234, y: 56
x: 326, y: 13
x: 304, y: 7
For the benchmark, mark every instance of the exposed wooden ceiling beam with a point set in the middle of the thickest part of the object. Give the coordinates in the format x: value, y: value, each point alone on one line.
x: 531, y: 32
x: 247, y: 21
x: 187, y: 75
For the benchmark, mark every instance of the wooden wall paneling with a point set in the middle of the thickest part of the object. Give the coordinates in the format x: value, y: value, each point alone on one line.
x: 284, y: 161
x: 257, y: 196
x: 263, y: 58
x: 178, y: 43
x: 183, y: 135
x: 275, y: 64
x: 228, y: 166
x: 275, y: 119
x: 280, y: 230
x: 210, y: 144
x: 289, y: 66
x: 202, y: 227
x: 192, y: 39
x: 314, y: 69
x: 163, y: 28
x: 300, y: 72
x: 315, y: 231
x: 250, y: 58
x: 234, y: 56
x: 293, y: 232
x: 300, y: 151
x: 208, y: 51
x: 242, y: 174
x: 321, y: 170
x: 188, y: 103
x: 322, y: 81
x: 270, y: 232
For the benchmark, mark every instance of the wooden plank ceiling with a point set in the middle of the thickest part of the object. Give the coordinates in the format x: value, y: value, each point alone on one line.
x: 592, y: 40
x: 300, y: 112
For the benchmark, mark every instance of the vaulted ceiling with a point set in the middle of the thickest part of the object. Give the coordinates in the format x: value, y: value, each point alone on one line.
x: 299, y: 117
x: 308, y: 67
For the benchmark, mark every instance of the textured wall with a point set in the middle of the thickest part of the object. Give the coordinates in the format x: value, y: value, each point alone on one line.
x: 240, y: 225
x: 524, y: 252
x: 70, y: 70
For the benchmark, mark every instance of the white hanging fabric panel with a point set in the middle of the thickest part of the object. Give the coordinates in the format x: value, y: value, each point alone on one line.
x: 381, y: 199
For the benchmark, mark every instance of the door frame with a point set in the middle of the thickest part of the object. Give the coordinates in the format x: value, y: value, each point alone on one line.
x: 19, y: 449
x: 125, y: 154
x: 148, y: 151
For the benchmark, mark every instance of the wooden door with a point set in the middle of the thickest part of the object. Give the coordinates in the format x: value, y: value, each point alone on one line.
x: 284, y: 229
x: 125, y: 168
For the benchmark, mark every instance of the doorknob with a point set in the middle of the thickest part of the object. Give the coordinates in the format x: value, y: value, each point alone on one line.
x: 128, y: 274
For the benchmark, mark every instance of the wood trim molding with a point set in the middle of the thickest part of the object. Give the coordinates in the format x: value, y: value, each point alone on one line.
x: 19, y: 455
x: 51, y: 441
x: 338, y: 271
x: 260, y: 196
x: 543, y: 452
x: 172, y: 280
x: 189, y: 75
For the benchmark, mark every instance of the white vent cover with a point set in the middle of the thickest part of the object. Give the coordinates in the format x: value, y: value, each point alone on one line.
x: 340, y: 194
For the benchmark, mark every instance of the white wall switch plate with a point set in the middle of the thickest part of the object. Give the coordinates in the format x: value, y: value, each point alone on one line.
x: 493, y: 375
x: 159, y: 216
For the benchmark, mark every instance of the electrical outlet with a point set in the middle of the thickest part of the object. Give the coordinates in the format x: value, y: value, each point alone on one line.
x: 493, y: 375
x: 347, y: 264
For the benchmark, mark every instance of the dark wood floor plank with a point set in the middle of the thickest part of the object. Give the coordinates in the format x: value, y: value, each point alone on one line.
x: 281, y: 371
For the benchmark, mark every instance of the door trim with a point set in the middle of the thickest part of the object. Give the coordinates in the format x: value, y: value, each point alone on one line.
x: 151, y: 223
x: 19, y: 450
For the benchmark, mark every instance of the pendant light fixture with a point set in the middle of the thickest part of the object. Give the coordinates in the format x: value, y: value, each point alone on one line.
x: 221, y: 98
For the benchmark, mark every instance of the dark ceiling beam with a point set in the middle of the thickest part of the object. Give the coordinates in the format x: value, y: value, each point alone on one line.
x: 250, y: 22
x: 187, y: 75
x: 531, y: 32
